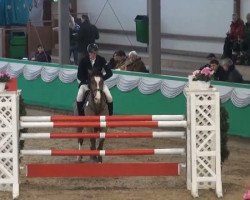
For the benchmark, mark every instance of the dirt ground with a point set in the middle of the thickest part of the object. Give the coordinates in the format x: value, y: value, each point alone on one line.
x: 235, y: 173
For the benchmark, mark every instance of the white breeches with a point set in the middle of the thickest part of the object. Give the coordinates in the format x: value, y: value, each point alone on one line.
x: 84, y: 88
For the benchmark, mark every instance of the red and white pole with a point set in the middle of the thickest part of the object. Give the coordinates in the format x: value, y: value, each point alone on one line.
x: 121, y: 152
x: 54, y: 135
x: 68, y: 118
x: 112, y: 124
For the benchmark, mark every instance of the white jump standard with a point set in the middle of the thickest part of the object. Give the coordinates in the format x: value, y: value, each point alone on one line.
x: 203, y: 159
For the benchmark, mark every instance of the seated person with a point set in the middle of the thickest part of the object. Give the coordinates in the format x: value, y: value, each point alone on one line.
x: 231, y: 74
x: 219, y: 73
x: 135, y: 63
x: 41, y: 55
x: 118, y: 60
x: 209, y: 57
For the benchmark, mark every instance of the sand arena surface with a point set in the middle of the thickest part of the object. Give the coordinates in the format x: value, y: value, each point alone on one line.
x: 235, y: 172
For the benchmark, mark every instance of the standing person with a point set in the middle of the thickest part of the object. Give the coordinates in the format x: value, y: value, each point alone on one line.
x: 231, y: 73
x: 246, y: 42
x: 73, y: 34
x: 92, y: 62
x: 87, y: 34
x: 234, y: 37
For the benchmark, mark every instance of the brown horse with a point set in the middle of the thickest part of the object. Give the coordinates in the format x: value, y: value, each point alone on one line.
x: 95, y: 104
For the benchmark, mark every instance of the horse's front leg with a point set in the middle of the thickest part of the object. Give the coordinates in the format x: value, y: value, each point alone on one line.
x: 93, y: 147
x: 100, y: 147
x: 80, y: 143
x: 101, y: 144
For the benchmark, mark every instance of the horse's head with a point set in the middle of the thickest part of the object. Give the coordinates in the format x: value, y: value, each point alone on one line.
x: 96, y: 86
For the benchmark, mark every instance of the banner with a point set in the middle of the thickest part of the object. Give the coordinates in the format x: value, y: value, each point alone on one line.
x: 13, y: 12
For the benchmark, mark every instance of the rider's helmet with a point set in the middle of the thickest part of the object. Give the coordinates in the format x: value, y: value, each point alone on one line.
x: 92, y: 48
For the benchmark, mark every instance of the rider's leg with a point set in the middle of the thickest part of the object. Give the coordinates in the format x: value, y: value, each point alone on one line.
x: 79, y: 99
x: 109, y: 99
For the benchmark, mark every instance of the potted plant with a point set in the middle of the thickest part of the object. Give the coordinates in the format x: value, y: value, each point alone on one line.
x: 4, y: 78
x: 200, y: 79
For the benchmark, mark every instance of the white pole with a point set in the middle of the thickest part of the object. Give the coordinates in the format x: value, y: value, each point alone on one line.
x: 36, y: 124
x: 36, y: 152
x: 35, y: 118
x: 174, y: 151
x: 174, y: 134
x: 172, y: 124
x: 168, y: 117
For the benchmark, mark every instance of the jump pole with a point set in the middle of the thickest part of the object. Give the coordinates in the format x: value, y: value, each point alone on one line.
x: 55, y: 135
x: 56, y: 118
x: 120, y: 152
x: 112, y: 124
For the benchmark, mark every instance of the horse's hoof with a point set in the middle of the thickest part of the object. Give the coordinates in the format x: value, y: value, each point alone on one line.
x: 79, y: 158
x: 99, y: 159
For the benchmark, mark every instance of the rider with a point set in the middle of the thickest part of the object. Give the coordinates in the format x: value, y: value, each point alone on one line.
x: 86, y: 66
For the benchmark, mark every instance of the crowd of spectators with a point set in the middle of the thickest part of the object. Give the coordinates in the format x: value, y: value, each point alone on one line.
x: 237, y: 42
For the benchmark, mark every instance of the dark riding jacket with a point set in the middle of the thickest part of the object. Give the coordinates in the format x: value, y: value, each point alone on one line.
x: 85, y: 68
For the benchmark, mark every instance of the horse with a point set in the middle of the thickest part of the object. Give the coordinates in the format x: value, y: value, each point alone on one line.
x: 95, y: 104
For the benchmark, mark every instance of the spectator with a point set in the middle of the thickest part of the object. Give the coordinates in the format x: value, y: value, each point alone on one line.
x: 112, y: 63
x: 41, y: 55
x: 211, y: 56
x: 219, y: 73
x: 231, y: 74
x: 92, y: 62
x: 234, y: 37
x: 246, y: 41
x: 135, y: 63
x: 73, y: 33
x: 118, y: 61
x: 87, y: 34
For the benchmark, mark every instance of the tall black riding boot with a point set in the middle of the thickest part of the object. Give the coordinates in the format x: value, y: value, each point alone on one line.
x: 110, y: 107
x: 80, y: 108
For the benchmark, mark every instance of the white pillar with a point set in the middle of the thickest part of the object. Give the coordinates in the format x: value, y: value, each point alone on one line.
x: 203, y: 140
x: 9, y: 142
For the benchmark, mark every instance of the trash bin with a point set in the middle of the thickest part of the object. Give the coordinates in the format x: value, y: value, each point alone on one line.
x: 141, y: 22
x: 18, y: 43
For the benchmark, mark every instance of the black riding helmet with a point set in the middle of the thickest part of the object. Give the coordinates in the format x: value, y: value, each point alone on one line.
x: 92, y: 48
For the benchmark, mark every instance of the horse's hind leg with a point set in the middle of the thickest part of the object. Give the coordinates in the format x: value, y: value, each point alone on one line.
x: 100, y: 147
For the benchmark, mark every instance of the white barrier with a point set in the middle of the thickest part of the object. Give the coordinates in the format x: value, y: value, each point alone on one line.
x: 203, y: 139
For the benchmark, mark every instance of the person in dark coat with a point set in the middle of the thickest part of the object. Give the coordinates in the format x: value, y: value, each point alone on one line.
x: 135, y: 63
x: 118, y: 60
x: 87, y: 34
x: 92, y: 62
x: 41, y: 55
x: 231, y: 73
x: 234, y: 37
x: 219, y: 73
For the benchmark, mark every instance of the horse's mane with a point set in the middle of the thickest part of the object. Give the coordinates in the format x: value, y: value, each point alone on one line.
x: 95, y: 72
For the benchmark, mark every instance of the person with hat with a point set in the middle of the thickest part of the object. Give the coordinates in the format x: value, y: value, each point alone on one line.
x: 92, y: 62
